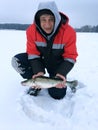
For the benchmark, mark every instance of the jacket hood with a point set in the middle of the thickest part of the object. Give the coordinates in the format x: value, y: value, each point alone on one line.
x: 53, y: 8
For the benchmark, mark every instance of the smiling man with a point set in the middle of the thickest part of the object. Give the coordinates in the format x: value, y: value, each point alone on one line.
x: 51, y: 45
x: 47, y: 23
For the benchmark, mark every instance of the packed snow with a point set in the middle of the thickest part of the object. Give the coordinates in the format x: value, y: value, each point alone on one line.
x: 76, y: 111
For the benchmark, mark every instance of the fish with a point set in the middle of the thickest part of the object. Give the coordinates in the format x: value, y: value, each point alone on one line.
x: 44, y: 82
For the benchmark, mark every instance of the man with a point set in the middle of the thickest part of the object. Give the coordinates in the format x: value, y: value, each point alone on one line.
x: 51, y: 45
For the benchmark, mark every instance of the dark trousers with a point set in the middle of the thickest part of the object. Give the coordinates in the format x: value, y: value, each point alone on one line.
x: 21, y: 64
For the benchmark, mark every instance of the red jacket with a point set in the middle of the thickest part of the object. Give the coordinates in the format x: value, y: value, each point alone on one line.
x: 66, y: 37
x: 63, y: 48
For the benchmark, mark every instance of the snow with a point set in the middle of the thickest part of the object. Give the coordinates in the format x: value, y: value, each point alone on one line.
x: 77, y: 111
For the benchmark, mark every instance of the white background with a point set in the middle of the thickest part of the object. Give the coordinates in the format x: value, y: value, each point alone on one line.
x: 80, y: 12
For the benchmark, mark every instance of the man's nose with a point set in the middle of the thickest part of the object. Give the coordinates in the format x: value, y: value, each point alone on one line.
x: 47, y: 24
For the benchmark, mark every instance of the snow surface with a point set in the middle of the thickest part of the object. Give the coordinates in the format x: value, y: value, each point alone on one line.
x: 77, y: 111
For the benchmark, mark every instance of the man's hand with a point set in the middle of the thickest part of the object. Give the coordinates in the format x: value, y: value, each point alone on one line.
x: 61, y: 85
x: 38, y: 75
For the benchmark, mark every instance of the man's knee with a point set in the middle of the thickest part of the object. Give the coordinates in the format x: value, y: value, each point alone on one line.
x: 21, y: 64
x: 57, y: 93
x: 16, y: 64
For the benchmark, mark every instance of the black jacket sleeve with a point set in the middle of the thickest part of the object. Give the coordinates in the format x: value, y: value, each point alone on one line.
x: 64, y: 68
x: 37, y: 65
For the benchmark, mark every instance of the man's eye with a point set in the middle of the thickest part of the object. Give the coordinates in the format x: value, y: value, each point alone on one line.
x: 51, y: 19
x: 43, y: 20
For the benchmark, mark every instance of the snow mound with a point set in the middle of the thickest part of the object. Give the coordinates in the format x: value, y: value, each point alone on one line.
x: 43, y: 108
x: 65, y: 113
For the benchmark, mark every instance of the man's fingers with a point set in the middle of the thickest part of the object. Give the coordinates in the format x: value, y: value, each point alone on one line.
x: 38, y: 74
x: 61, y: 76
x: 61, y: 85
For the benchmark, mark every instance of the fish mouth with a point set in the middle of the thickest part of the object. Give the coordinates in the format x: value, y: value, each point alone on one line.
x: 23, y: 84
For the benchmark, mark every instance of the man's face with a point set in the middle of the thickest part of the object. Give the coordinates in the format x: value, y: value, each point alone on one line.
x: 47, y: 23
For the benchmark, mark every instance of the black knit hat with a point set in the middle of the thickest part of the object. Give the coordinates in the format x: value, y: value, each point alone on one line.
x: 41, y: 12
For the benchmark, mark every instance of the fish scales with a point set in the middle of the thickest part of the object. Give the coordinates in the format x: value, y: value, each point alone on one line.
x: 46, y: 82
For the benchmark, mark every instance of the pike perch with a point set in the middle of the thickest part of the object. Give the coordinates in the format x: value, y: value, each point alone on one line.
x: 46, y: 82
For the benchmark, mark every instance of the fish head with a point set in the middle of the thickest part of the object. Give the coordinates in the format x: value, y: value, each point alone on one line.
x: 29, y: 83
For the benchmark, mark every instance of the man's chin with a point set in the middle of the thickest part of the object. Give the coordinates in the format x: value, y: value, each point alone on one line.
x: 48, y: 31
